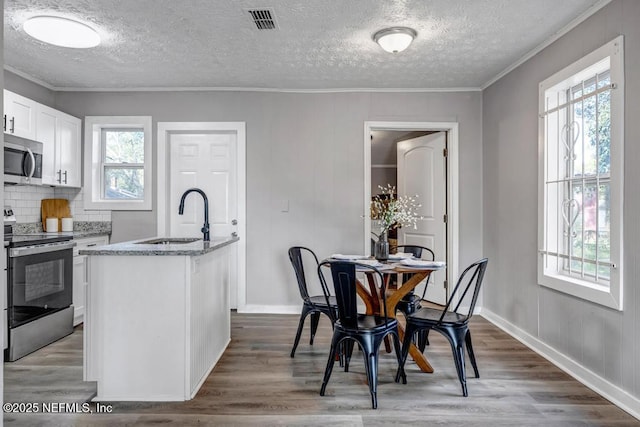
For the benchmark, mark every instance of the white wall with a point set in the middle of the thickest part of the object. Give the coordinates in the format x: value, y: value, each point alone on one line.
x: 605, y: 343
x: 304, y: 149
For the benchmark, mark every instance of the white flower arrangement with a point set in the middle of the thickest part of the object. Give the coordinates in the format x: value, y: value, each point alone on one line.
x: 394, y: 212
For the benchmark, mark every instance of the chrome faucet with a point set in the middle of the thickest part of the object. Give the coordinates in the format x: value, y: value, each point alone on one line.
x: 205, y: 227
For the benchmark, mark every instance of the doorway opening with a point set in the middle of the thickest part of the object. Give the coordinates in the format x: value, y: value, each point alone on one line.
x: 381, y: 172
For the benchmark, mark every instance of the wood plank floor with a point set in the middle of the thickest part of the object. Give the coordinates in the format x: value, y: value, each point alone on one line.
x: 257, y: 383
x: 51, y: 374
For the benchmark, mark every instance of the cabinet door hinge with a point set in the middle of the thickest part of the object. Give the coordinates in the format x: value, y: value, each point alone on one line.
x: 446, y: 284
x: 445, y: 218
x: 445, y: 152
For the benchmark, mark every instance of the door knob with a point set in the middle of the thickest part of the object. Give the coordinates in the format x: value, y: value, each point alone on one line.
x: 234, y: 222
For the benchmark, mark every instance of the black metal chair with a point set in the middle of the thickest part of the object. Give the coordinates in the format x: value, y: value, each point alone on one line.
x: 411, y: 302
x: 453, y: 325
x: 314, y: 305
x: 350, y: 326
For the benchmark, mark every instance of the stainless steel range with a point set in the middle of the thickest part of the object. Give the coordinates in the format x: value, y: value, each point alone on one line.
x: 40, y: 290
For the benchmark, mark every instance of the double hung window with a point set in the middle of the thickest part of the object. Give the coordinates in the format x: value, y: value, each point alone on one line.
x: 122, y: 164
x: 118, y: 163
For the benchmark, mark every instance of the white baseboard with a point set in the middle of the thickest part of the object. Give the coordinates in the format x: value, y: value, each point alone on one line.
x: 271, y: 309
x: 606, y: 389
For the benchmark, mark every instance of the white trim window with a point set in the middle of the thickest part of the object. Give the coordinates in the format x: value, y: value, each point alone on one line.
x: 581, y: 177
x: 118, y: 163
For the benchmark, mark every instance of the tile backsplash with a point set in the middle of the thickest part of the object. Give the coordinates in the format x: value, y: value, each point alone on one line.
x: 25, y: 201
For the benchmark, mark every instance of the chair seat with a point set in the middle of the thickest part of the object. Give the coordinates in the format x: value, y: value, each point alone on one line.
x: 432, y: 316
x: 321, y: 300
x: 369, y: 323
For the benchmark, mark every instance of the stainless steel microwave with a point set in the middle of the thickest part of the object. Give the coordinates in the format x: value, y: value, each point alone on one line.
x: 22, y: 161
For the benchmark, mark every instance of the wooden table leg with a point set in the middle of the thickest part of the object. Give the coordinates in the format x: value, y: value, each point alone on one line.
x: 393, y: 301
x: 387, y: 344
x: 372, y: 303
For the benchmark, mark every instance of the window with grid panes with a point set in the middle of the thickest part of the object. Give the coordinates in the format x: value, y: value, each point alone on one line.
x: 580, y: 182
x: 118, y: 167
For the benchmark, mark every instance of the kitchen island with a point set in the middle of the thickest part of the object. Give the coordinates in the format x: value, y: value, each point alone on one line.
x: 157, y: 316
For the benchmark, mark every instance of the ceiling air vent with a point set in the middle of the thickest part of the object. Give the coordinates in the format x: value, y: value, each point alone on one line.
x: 263, y: 18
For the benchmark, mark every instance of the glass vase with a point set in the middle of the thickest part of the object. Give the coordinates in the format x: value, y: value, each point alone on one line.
x: 381, y: 248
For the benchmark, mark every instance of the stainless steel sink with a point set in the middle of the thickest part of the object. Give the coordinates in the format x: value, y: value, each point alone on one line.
x: 169, y: 241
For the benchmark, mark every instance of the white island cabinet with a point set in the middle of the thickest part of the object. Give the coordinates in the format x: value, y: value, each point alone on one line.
x: 157, y: 317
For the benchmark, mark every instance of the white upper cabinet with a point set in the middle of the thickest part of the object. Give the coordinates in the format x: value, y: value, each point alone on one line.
x: 19, y: 115
x: 46, y: 133
x: 60, y: 136
x: 68, y: 158
x: 58, y: 132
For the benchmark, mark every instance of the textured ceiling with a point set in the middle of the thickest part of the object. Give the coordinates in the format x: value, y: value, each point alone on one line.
x: 319, y: 44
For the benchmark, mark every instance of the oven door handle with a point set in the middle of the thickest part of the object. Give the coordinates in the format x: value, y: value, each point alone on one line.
x: 33, y: 250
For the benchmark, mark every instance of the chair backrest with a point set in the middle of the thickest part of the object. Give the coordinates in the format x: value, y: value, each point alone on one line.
x: 344, y: 278
x: 416, y: 251
x: 470, y: 279
x: 296, y: 256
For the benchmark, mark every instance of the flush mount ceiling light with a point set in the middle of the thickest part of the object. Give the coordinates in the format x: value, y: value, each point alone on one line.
x: 395, y: 39
x: 60, y: 31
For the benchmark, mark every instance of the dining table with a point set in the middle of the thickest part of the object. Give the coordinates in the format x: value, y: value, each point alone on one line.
x: 371, y: 296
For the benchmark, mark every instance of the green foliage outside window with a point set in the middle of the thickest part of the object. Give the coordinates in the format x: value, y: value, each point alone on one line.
x: 592, y: 235
x: 124, y: 164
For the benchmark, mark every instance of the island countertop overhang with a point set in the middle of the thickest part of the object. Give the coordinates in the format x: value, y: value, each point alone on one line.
x: 138, y: 248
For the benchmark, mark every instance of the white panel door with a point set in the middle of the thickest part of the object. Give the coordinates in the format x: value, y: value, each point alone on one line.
x: 422, y: 172
x: 204, y: 160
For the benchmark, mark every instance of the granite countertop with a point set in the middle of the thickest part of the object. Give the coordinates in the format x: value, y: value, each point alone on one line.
x: 80, y: 229
x: 140, y: 248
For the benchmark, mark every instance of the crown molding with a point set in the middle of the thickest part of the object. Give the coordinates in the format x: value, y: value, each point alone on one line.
x: 30, y: 78
x: 260, y: 89
x: 235, y: 89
